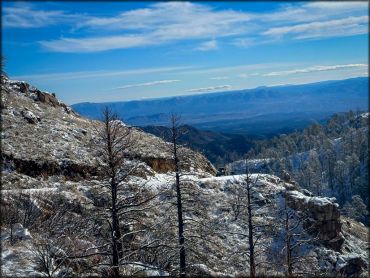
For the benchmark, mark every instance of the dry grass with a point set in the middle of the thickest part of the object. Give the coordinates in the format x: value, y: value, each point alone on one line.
x: 355, y: 228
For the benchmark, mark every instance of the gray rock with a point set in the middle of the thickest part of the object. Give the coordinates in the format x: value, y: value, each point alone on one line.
x: 30, y: 117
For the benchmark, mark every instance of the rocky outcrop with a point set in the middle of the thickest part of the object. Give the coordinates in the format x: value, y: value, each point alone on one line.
x: 34, y: 93
x: 47, y: 98
x: 69, y: 169
x: 323, y: 217
x: 160, y: 165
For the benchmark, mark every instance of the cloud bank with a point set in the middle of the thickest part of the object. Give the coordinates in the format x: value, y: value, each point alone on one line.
x: 152, y: 83
x: 315, y: 69
x: 168, y: 22
x: 210, y: 89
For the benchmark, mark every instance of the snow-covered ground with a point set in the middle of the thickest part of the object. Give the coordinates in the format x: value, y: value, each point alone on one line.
x: 56, y: 138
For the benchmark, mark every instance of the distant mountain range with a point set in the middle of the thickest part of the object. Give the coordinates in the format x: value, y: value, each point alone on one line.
x: 261, y: 111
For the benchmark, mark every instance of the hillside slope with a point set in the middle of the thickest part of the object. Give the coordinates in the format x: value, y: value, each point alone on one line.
x: 50, y: 177
x: 40, y: 134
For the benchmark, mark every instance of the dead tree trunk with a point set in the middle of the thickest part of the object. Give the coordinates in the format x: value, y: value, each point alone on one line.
x: 180, y: 220
x: 252, y: 263
x: 288, y: 243
x: 113, y: 164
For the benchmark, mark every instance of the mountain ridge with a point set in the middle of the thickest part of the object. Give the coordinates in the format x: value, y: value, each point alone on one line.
x: 313, y: 101
x: 223, y: 92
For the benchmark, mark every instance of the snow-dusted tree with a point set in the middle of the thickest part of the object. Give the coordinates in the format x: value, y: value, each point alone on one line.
x: 186, y: 232
x: 175, y: 134
x: 247, y: 205
x: 58, y: 240
x: 127, y: 202
x: 356, y: 209
x: 251, y: 226
x: 341, y: 178
x: 19, y: 207
x: 11, y: 214
x: 353, y: 166
x: 287, y: 251
x: 314, y: 173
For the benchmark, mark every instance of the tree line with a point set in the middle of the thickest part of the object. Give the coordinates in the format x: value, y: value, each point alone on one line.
x: 329, y: 159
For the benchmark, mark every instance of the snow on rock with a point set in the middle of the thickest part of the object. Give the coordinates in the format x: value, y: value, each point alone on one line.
x: 117, y: 122
x: 17, y: 261
x: 350, y: 265
x: 254, y: 165
x: 141, y: 269
x: 324, y: 217
x: 30, y: 117
x: 21, y: 233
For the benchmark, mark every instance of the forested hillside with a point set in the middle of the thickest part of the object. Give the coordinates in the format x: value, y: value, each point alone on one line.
x: 219, y: 148
x: 329, y: 160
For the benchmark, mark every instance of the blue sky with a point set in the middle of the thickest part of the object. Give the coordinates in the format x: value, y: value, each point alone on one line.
x: 112, y: 51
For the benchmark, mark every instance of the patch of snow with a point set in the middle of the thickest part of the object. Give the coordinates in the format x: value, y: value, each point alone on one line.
x: 29, y: 116
x: 319, y: 201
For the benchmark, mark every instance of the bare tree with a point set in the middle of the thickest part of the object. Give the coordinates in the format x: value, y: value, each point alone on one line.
x: 251, y: 226
x: 11, y: 214
x: 175, y: 133
x: 246, y: 205
x: 238, y: 199
x: 59, y: 242
x: 185, y: 220
x: 291, y: 228
x: 126, y: 201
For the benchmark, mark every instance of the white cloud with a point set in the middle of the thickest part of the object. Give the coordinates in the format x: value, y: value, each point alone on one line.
x: 97, y: 74
x: 243, y: 42
x: 314, y: 11
x: 348, y: 6
x: 166, y: 22
x: 95, y: 44
x: 207, y: 46
x: 315, y: 69
x: 219, y: 78
x: 210, y: 89
x: 228, y: 69
x: 152, y: 83
x: 24, y: 16
x: 160, y: 23
x: 246, y: 75
x: 339, y: 27
x: 174, y: 20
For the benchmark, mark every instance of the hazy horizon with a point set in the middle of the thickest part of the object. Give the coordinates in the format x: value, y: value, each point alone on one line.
x: 219, y: 92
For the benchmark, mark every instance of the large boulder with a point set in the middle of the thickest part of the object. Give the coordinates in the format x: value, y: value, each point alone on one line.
x: 323, y: 217
x: 30, y: 117
x: 47, y: 98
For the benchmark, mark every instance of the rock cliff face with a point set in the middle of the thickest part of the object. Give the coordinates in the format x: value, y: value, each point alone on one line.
x: 323, y: 219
